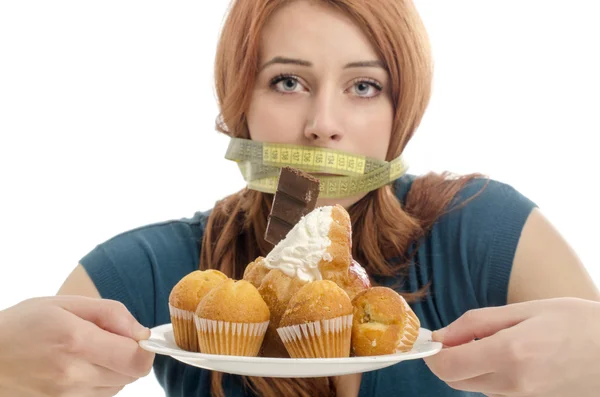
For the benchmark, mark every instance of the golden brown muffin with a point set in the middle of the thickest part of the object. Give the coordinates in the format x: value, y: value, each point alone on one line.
x: 319, y: 300
x: 317, y: 322
x: 232, y: 319
x: 383, y: 323
x: 190, y: 290
x: 234, y: 301
x: 184, y: 299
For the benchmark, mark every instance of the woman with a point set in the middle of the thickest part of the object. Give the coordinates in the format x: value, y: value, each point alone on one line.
x: 471, y: 255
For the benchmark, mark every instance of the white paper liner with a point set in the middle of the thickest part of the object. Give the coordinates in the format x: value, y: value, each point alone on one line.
x: 410, y: 332
x: 319, y: 339
x: 180, y: 314
x: 224, y: 337
x: 184, y: 329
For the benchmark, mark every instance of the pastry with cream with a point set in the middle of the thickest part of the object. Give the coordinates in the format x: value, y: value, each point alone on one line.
x: 318, y: 247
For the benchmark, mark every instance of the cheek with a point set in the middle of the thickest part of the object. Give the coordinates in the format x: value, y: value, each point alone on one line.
x: 274, y: 120
x: 372, y: 126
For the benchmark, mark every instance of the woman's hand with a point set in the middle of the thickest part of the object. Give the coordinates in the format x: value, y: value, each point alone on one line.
x: 70, y: 346
x: 547, y: 348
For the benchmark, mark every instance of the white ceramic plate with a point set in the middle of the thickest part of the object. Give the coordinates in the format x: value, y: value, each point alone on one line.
x: 161, y: 341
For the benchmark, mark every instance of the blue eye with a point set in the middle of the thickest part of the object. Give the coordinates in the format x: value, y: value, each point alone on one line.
x: 285, y: 83
x: 362, y: 88
x: 289, y: 84
x: 366, y: 88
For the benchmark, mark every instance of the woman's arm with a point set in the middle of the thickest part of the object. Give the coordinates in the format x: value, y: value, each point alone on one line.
x: 545, y: 266
x: 79, y: 283
x: 544, y: 342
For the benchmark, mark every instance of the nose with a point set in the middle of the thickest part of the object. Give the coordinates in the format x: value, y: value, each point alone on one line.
x: 323, y: 123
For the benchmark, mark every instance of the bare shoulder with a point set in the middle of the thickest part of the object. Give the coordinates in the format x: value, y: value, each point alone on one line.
x: 79, y: 283
x: 546, y: 266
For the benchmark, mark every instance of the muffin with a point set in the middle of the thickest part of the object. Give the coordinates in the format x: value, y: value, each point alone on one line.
x: 317, y: 322
x: 232, y: 319
x: 383, y: 323
x: 184, y: 299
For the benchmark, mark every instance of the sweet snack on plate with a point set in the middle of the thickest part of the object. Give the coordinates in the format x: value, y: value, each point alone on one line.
x: 255, y: 272
x: 323, y: 234
x: 184, y: 299
x: 317, y: 322
x: 277, y: 288
x: 306, y: 298
x: 354, y: 281
x: 319, y: 244
x: 232, y: 319
x: 296, y: 196
x: 317, y: 248
x: 383, y: 323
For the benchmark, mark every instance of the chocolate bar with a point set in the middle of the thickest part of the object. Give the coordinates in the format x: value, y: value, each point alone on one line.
x: 296, y: 196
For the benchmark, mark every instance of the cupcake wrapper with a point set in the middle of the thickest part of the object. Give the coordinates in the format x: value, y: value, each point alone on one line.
x: 319, y: 339
x: 410, y: 332
x: 224, y: 337
x: 184, y: 329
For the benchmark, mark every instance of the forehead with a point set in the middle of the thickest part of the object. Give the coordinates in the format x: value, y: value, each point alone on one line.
x: 305, y: 29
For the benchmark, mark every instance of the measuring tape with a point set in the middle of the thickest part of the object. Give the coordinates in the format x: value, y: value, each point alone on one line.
x: 260, y: 163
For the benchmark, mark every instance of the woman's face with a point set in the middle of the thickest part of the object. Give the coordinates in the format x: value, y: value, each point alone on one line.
x: 320, y: 83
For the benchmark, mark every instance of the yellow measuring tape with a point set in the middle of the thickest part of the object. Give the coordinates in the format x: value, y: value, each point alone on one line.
x: 260, y: 163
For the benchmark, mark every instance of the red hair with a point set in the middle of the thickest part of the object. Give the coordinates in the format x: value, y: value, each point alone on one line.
x: 382, y: 227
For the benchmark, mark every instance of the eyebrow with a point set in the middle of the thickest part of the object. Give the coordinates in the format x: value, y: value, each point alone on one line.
x: 300, y: 62
x: 365, y: 64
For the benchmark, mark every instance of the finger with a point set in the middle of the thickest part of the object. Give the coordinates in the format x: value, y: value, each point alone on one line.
x: 488, y: 384
x: 111, y: 351
x: 85, y: 375
x: 481, y: 323
x: 107, y: 314
x: 99, y: 391
x: 106, y: 391
x: 466, y: 361
x: 106, y: 378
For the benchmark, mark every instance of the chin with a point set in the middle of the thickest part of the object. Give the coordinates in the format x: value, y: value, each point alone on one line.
x: 345, y: 202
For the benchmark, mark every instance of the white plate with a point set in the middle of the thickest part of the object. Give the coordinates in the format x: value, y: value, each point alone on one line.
x: 161, y: 341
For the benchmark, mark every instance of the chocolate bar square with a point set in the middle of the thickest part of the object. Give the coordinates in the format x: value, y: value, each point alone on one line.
x: 296, y: 196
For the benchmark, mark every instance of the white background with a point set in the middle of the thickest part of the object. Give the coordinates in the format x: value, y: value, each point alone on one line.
x: 107, y: 112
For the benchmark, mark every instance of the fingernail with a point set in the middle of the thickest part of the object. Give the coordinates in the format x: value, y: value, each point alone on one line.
x: 438, y: 336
